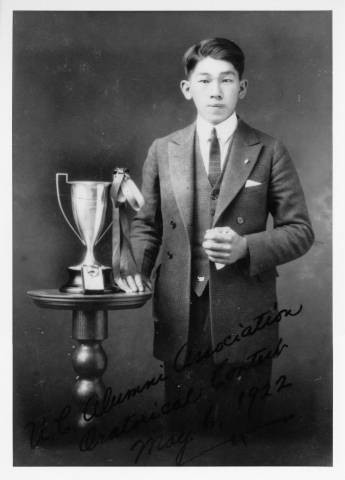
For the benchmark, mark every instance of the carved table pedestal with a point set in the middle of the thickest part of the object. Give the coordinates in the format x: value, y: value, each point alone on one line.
x: 89, y: 329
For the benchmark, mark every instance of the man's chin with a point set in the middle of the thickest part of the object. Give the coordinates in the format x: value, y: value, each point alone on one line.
x: 216, y: 118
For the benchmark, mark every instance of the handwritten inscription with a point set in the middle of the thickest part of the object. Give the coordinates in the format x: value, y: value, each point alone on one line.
x: 144, y: 448
x: 147, y: 446
x: 260, y: 322
x: 43, y: 430
x: 96, y: 408
x: 46, y: 429
x: 239, y: 438
x: 94, y: 436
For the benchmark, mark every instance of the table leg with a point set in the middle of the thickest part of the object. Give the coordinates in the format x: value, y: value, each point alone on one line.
x: 89, y: 329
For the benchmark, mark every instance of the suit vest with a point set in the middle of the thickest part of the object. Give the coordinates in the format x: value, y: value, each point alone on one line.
x: 204, y: 208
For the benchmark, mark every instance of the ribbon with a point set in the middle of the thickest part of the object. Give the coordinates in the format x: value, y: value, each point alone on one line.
x: 123, y: 192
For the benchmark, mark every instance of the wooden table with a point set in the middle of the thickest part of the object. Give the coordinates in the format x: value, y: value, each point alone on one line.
x: 89, y: 329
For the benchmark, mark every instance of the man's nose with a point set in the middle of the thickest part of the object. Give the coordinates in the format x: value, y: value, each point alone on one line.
x: 216, y: 91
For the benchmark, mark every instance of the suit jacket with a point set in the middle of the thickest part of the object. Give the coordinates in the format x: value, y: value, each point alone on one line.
x: 161, y: 236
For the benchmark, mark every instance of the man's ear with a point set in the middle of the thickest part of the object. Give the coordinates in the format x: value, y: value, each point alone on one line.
x: 185, y: 88
x: 243, y: 88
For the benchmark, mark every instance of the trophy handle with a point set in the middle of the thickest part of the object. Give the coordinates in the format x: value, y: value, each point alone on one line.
x: 57, y: 177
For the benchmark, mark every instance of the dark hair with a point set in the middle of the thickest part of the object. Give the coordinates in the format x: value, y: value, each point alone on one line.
x: 217, y: 48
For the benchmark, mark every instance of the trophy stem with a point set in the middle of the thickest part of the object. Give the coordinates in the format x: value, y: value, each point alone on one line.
x: 89, y: 258
x: 75, y: 282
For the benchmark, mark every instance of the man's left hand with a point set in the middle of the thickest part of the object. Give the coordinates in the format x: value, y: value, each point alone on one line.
x: 224, y: 245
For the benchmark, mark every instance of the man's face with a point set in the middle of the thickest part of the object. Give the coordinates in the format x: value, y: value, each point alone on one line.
x: 215, y: 88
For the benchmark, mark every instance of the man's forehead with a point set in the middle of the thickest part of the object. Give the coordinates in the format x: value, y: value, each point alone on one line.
x: 211, y: 65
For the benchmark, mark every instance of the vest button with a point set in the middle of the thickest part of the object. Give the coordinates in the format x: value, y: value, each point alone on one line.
x: 173, y: 224
x: 214, y: 196
x: 170, y: 255
x: 240, y: 220
x: 212, y: 212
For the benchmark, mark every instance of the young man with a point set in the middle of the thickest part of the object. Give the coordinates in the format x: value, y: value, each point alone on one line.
x: 208, y: 190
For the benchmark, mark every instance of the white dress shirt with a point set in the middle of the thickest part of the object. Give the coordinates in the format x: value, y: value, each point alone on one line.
x: 225, y: 131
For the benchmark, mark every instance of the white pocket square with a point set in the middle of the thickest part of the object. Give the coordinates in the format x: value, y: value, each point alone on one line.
x: 251, y: 183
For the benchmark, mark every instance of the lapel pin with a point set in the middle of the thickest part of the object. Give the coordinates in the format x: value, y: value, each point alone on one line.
x: 246, y: 161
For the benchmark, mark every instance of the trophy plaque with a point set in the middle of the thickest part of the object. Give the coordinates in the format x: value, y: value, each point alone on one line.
x: 89, y: 204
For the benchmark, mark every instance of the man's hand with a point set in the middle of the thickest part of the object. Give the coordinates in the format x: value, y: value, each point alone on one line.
x: 224, y: 245
x: 134, y: 283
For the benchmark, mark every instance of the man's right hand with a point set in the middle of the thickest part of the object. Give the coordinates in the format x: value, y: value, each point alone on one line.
x: 134, y: 283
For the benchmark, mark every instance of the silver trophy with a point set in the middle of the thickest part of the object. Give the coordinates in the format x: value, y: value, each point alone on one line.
x: 89, y: 204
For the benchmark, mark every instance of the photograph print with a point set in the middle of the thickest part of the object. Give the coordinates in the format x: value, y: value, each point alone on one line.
x: 172, y: 219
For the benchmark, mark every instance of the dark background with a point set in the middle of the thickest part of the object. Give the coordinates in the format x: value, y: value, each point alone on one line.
x: 91, y: 91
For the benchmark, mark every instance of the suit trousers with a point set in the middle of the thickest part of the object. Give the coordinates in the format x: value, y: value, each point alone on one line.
x: 224, y: 397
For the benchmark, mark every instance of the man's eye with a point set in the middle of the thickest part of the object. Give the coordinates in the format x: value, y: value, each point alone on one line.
x: 228, y: 80
x: 203, y: 81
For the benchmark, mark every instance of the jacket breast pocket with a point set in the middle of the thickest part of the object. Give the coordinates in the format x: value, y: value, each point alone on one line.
x: 255, y: 189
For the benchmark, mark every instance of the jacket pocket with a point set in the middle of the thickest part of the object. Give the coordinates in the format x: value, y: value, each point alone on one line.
x: 255, y: 188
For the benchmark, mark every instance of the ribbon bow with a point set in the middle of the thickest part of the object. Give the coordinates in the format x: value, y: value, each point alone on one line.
x: 122, y: 192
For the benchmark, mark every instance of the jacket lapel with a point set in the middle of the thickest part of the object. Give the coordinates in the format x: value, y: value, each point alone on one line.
x: 244, y: 153
x: 181, y: 151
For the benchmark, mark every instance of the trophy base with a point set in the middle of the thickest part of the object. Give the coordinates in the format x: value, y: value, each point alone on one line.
x: 75, y: 281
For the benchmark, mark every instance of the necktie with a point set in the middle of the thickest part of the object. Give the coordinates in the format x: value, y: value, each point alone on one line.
x: 214, y: 169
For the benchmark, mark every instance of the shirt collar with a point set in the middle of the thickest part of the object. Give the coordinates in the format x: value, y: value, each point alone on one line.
x: 224, y: 129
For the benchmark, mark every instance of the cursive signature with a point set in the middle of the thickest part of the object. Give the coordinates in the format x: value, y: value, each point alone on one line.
x: 239, y: 437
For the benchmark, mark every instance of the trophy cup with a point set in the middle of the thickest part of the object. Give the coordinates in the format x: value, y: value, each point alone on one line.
x: 89, y: 204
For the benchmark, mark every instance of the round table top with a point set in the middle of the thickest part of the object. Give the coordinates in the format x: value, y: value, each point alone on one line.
x: 53, y: 298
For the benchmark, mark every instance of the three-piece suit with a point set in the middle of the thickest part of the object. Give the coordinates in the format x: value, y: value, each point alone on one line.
x: 258, y: 179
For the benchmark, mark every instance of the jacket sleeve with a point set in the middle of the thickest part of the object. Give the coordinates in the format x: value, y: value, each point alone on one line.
x: 146, y: 227
x: 292, y: 233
